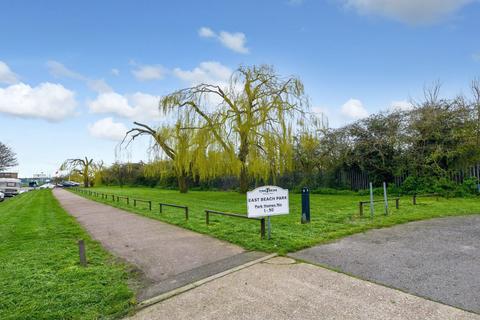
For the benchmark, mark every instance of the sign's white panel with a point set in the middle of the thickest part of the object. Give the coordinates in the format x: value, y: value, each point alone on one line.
x: 267, y: 201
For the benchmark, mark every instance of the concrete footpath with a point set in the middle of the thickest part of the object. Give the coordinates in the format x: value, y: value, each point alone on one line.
x: 280, y: 288
x: 168, y: 256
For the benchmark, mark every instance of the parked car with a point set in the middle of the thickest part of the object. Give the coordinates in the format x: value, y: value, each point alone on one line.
x: 2, y: 196
x: 69, y: 184
x: 47, y: 186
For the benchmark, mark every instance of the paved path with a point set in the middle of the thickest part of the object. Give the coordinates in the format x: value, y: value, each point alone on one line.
x: 438, y: 259
x: 168, y: 256
x: 280, y: 290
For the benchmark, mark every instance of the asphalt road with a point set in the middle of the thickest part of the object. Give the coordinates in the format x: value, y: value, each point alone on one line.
x: 438, y: 259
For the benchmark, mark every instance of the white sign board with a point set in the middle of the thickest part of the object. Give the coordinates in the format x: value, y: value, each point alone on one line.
x: 267, y: 201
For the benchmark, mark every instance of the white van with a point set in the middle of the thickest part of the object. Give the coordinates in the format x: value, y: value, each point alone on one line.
x: 10, y: 186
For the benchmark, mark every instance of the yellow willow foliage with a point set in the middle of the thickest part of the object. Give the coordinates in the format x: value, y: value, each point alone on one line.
x: 249, y: 126
x: 159, y: 168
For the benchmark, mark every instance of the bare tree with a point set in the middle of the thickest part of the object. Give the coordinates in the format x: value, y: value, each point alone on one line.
x: 8, y: 158
x: 84, y: 167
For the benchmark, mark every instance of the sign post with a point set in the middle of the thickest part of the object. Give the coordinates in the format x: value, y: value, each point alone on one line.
x: 267, y: 201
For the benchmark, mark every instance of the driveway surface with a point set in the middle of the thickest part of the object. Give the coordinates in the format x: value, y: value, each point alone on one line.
x: 168, y: 256
x: 280, y: 290
x: 438, y: 259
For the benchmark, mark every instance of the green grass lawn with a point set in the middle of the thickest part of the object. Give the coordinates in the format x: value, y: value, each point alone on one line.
x: 333, y: 216
x: 40, y: 275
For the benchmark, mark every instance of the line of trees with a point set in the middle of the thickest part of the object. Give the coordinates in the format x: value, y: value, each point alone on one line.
x: 258, y: 130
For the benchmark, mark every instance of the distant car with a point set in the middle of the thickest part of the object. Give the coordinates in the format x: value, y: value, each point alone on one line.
x: 47, y: 186
x: 69, y: 184
x: 2, y: 196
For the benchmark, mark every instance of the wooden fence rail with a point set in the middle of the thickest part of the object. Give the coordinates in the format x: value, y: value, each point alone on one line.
x: 143, y: 201
x: 415, y: 196
x: 236, y: 215
x: 185, y: 208
x: 362, y: 203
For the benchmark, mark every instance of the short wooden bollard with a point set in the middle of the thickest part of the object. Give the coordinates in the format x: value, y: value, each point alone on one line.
x: 360, y: 208
x: 134, y: 202
x: 397, y: 203
x: 82, y: 254
x: 414, y: 199
x: 150, y: 205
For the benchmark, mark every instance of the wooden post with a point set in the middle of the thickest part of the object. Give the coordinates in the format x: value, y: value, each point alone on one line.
x: 150, y: 205
x: 134, y: 202
x: 262, y: 228
x: 397, y: 203
x: 113, y: 197
x: 414, y: 199
x: 207, y: 218
x: 186, y: 213
x: 360, y: 208
x: 160, y: 208
x: 128, y: 201
x: 82, y: 254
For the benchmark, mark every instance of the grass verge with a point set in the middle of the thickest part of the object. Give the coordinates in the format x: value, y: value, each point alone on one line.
x: 40, y: 275
x: 332, y: 216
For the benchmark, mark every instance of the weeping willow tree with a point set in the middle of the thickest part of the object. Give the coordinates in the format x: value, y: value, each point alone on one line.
x: 246, y: 126
x: 176, y: 142
x: 85, y: 167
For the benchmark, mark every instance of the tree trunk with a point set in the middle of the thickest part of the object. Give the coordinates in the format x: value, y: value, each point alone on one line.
x: 182, y: 182
x: 242, y: 156
x: 243, y: 179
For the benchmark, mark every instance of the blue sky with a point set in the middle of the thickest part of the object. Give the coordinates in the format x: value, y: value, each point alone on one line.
x: 74, y: 75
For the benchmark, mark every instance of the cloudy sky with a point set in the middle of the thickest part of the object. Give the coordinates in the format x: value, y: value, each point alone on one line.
x: 74, y: 76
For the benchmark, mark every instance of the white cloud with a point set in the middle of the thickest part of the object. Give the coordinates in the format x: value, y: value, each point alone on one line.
x: 210, y: 72
x: 108, y: 129
x: 149, y: 72
x: 408, y: 11
x: 401, y: 105
x: 235, y: 41
x: 59, y: 70
x: 206, y: 32
x: 138, y: 106
x: 7, y: 76
x: 46, y: 101
x: 115, y: 72
x: 354, y: 109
